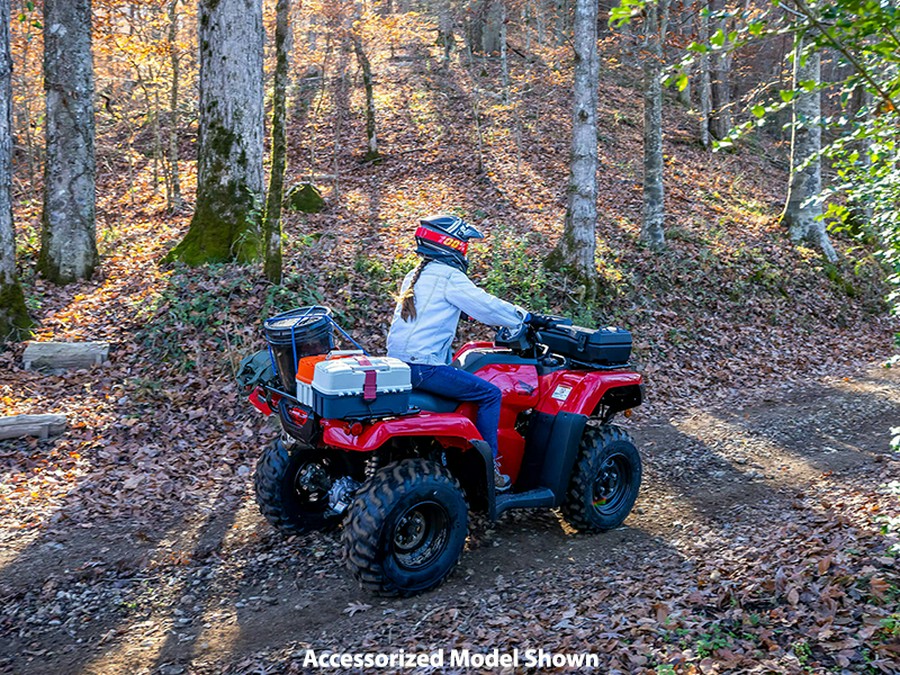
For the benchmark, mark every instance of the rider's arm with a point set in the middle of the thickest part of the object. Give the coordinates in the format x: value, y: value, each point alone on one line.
x: 480, y: 305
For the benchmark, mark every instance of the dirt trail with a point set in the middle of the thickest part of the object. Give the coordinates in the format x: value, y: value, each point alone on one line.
x: 217, y: 590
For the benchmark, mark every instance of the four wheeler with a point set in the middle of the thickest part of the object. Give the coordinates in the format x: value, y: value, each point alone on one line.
x: 402, y: 484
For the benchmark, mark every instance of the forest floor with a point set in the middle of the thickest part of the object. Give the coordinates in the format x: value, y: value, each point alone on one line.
x: 757, y: 545
x: 764, y: 531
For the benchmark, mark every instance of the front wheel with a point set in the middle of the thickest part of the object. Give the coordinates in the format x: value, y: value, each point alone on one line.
x: 406, y: 528
x: 292, y: 485
x: 605, y: 481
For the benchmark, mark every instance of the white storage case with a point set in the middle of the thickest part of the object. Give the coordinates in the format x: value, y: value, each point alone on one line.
x: 360, y: 387
x: 305, y: 394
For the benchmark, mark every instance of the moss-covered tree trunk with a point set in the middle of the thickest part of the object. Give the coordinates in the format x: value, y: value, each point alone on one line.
x: 576, y: 248
x: 275, y: 197
x: 68, y: 234
x: 14, y: 320
x: 226, y: 219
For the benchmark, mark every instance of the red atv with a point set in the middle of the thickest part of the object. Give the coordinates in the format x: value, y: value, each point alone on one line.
x: 403, y: 484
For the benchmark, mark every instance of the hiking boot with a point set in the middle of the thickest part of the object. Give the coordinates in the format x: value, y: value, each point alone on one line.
x: 501, y: 480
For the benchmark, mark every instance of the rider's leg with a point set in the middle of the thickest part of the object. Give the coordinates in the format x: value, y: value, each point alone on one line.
x: 457, y: 384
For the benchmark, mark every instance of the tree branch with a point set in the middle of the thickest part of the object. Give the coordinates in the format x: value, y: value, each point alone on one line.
x: 808, y: 13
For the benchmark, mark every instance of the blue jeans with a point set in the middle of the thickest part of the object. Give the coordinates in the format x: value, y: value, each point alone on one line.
x: 459, y: 385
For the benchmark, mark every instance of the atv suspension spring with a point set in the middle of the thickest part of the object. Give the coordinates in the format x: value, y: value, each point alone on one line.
x: 372, y: 465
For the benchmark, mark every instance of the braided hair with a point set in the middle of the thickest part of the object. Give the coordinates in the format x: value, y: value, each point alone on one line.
x: 408, y: 299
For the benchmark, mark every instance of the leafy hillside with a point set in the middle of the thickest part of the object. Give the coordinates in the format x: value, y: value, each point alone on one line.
x: 161, y: 440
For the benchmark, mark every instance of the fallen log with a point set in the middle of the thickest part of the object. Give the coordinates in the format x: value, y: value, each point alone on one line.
x: 64, y: 355
x: 39, y: 426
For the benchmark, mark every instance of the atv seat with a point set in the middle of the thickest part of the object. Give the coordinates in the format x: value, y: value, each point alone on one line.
x: 474, y: 360
x: 431, y: 402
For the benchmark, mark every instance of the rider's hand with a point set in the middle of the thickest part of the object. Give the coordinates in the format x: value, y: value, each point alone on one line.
x: 540, y: 321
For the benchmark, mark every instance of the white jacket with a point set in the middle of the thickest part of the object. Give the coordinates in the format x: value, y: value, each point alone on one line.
x: 442, y: 292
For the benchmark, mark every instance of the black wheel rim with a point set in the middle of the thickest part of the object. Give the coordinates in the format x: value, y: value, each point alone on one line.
x: 420, y: 535
x: 612, y: 484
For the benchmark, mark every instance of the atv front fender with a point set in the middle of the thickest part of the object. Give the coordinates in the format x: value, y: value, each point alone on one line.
x: 580, y: 392
x: 449, y: 428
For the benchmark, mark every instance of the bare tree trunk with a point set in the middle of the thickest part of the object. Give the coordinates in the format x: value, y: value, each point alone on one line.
x: 483, y: 26
x: 156, y: 111
x: 14, y: 321
x: 576, y: 248
x: 684, y: 25
x: 68, y: 234
x: 652, y: 228
x: 476, y: 110
x: 225, y: 225
x: 275, y: 197
x: 445, y: 37
x: 562, y: 12
x: 493, y: 22
x: 176, y: 202
x: 25, y: 117
x: 720, y: 83
x: 371, y: 137
x: 341, y: 96
x: 803, y: 211
x: 504, y: 61
x: 684, y: 95
x: 864, y: 211
x: 539, y: 20
x: 705, y: 83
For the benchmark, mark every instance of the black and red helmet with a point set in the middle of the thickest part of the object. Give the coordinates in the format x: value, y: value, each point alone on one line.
x: 443, y: 236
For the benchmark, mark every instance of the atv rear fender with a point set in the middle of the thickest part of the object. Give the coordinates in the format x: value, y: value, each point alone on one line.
x: 450, y: 429
x: 473, y: 466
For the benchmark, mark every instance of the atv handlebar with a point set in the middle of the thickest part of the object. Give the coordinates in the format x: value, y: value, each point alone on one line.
x: 543, y: 321
x: 523, y: 339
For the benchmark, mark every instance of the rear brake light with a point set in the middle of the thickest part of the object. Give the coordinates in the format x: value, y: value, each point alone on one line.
x: 356, y: 429
x: 298, y: 416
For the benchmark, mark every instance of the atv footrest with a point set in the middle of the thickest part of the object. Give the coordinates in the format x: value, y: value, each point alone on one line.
x: 537, y: 498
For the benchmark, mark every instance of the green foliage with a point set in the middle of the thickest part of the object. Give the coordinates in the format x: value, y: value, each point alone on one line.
x: 625, y: 11
x: 305, y: 198
x: 14, y: 320
x: 890, y: 626
x: 510, y: 272
x: 709, y: 642
x: 802, y: 651
x: 295, y: 290
x: 191, y: 317
x: 862, y: 35
x: 367, y: 285
x: 833, y: 272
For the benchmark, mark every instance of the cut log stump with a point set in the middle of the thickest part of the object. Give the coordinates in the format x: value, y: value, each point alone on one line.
x: 59, y: 356
x: 39, y: 426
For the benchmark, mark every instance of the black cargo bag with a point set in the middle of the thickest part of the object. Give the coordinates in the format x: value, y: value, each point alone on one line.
x: 609, y: 346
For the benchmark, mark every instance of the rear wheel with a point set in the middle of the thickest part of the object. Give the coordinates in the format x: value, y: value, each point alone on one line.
x: 605, y: 481
x: 292, y: 488
x: 406, y: 528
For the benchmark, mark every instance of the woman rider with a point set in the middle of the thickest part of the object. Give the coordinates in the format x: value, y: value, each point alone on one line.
x: 425, y: 319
